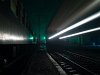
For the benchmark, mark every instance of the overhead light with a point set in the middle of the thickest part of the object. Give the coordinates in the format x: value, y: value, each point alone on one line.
x: 88, y: 19
x: 79, y: 33
x: 5, y: 37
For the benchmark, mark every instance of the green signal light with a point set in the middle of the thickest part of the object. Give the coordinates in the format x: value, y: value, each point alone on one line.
x: 31, y: 38
x: 44, y: 38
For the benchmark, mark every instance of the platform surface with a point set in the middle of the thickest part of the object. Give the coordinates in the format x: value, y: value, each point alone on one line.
x: 41, y: 65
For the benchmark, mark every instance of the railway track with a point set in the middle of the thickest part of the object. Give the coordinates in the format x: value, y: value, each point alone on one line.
x: 71, y: 67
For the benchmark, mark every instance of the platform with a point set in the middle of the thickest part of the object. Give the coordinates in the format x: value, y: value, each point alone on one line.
x: 41, y: 65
